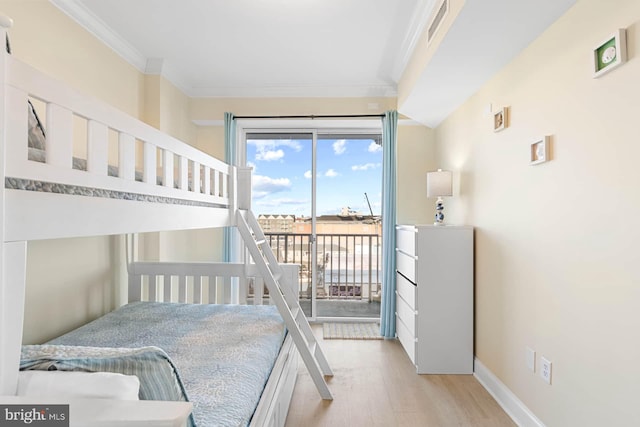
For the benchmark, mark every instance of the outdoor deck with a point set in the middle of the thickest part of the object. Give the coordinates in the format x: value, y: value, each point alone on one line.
x: 348, y: 308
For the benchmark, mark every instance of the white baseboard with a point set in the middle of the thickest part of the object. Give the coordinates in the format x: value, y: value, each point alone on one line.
x: 519, y: 413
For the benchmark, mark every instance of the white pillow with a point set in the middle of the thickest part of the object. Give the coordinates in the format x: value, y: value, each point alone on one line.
x: 71, y: 384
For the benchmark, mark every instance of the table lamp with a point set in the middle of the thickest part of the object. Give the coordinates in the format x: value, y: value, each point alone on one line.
x: 439, y: 184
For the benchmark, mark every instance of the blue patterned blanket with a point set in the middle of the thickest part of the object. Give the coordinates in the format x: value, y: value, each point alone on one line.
x: 223, y: 353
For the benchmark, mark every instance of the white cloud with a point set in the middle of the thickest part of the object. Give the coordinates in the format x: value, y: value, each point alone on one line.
x: 264, y: 185
x: 365, y: 167
x: 307, y: 174
x: 269, y: 155
x: 340, y: 146
x: 252, y: 165
x: 374, y: 148
x: 331, y: 173
x: 268, y: 149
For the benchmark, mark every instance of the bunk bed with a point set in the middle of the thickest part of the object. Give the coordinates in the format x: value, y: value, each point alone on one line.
x: 158, y: 183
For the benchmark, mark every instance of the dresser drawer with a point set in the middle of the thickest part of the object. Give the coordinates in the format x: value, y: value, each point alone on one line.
x: 406, y: 339
x: 406, y: 290
x: 406, y: 264
x: 406, y: 239
x: 406, y: 314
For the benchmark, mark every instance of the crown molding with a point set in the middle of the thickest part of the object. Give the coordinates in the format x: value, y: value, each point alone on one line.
x: 94, y: 25
x: 295, y: 92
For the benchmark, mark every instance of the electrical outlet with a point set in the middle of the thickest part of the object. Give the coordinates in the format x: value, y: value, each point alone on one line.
x: 545, y: 370
x: 531, y: 359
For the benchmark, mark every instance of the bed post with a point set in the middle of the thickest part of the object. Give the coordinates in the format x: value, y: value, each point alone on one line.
x: 13, y: 256
x: 14, y: 273
x: 244, y: 188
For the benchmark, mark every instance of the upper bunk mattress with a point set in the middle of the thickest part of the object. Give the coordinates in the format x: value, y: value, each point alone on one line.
x: 224, y: 354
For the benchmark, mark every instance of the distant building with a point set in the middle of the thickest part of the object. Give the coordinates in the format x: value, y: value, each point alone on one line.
x: 277, y: 223
x: 347, y: 222
x: 352, y: 223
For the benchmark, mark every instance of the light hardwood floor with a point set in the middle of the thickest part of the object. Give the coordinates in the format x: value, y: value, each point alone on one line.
x: 375, y: 384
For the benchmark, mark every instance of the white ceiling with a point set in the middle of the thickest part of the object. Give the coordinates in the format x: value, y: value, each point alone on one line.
x: 243, y: 48
x: 315, y: 48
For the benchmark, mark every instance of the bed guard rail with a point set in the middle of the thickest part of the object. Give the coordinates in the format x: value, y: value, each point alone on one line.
x: 201, y: 282
x: 89, y: 144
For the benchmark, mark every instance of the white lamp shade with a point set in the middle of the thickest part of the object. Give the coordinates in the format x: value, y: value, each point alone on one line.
x: 439, y: 183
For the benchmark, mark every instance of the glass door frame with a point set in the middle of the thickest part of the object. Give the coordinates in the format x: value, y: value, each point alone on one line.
x: 313, y: 128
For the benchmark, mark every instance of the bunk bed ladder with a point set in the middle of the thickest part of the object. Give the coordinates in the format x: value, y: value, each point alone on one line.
x: 286, y: 300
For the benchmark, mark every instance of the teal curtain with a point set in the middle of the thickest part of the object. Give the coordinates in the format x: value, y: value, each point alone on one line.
x: 388, y: 304
x: 230, y: 234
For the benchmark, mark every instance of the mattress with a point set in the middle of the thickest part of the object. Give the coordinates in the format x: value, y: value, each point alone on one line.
x: 223, y: 354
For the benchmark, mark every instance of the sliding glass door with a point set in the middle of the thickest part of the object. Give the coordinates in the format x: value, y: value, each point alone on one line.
x: 317, y: 198
x: 348, y: 225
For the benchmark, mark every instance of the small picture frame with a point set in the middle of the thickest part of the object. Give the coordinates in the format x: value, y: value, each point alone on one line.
x: 539, y: 151
x: 610, y: 54
x: 500, y: 119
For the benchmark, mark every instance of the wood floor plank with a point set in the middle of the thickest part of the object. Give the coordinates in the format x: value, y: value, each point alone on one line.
x: 375, y: 384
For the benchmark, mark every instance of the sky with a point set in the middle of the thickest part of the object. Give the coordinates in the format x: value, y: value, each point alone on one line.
x: 346, y: 170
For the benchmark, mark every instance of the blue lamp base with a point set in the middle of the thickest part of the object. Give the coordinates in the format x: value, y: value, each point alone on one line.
x: 439, y: 218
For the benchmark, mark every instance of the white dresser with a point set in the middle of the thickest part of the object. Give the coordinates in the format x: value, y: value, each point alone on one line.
x: 434, y: 297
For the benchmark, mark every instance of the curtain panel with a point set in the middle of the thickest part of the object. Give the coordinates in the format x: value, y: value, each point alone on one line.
x: 388, y: 304
x: 230, y: 235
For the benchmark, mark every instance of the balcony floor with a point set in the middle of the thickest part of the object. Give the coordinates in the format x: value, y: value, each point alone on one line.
x: 338, y: 308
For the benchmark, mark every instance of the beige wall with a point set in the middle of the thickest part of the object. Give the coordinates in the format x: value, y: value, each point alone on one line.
x: 416, y: 156
x: 152, y: 112
x: 69, y: 282
x: 175, y: 114
x: 47, y: 39
x: 557, y: 243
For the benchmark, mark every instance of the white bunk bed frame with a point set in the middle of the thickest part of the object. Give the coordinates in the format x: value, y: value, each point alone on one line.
x: 211, y: 201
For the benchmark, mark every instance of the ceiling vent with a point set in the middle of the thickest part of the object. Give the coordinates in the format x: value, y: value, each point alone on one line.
x: 437, y: 20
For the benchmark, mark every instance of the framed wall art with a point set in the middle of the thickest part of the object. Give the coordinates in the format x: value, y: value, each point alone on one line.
x: 500, y: 119
x: 539, y: 151
x: 610, y: 54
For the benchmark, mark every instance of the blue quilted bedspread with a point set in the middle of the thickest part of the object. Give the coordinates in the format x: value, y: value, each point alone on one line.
x: 223, y: 353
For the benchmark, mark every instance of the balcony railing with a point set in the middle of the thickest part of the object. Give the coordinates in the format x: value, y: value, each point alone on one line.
x: 348, y: 266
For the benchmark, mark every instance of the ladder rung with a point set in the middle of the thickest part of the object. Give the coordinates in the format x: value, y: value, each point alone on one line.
x: 301, y: 314
x: 312, y: 347
x: 260, y: 242
x: 290, y: 302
